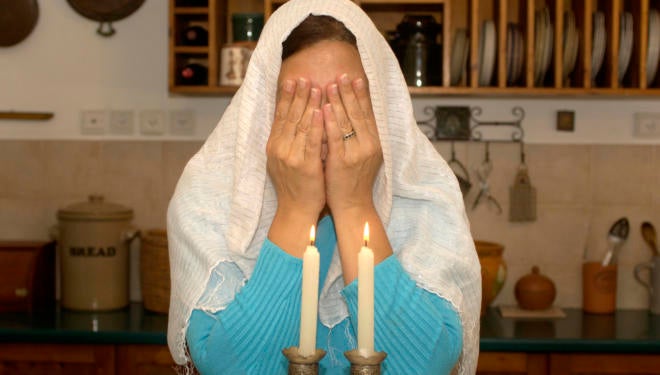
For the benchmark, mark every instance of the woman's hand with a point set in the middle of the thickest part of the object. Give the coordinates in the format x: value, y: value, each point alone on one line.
x: 353, y: 161
x: 294, y: 150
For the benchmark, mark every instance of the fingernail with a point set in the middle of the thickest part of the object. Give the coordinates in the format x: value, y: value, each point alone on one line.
x: 333, y: 89
x: 302, y: 83
x: 315, y: 92
x: 288, y: 85
x: 344, y: 78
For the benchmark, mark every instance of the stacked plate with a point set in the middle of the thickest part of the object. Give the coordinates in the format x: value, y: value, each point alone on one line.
x: 487, y: 52
x: 653, y: 47
x: 544, y: 36
x: 515, y: 57
x: 459, y: 56
x: 598, y: 44
x: 571, y: 44
x: 625, y: 43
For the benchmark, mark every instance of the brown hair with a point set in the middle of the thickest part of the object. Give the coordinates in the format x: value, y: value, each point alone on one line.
x: 315, y: 29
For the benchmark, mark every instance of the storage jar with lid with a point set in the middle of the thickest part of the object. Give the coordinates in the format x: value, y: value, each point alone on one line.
x: 93, y: 244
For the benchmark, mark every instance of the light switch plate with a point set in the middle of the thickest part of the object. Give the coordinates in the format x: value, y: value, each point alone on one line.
x: 93, y: 122
x: 152, y: 122
x: 647, y: 125
x: 182, y: 122
x: 122, y: 122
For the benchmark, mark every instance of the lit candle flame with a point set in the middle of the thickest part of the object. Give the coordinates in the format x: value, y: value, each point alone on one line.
x: 312, y: 235
x: 366, y: 234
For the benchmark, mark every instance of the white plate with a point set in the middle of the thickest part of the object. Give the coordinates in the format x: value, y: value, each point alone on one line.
x: 487, y: 57
x: 574, y: 52
x: 567, y: 43
x: 599, y: 43
x: 626, y: 43
x: 653, y: 46
x: 457, y: 59
x: 548, y: 43
x: 539, y: 41
x: 520, y: 55
x: 516, y: 56
x: 546, y: 56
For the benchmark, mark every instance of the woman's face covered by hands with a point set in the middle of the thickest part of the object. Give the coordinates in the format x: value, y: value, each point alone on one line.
x: 324, y: 146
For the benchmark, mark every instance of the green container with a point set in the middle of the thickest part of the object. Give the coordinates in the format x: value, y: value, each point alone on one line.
x: 247, y: 26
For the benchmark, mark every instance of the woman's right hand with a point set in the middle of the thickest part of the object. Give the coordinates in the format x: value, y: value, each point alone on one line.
x: 294, y: 150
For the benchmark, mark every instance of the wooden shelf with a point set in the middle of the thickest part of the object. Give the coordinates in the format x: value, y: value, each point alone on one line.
x: 470, y: 14
x: 191, y: 10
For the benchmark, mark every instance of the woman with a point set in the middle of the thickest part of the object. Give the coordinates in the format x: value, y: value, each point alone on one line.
x: 342, y: 136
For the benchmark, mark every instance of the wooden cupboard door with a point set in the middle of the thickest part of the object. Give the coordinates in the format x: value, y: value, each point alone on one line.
x: 145, y: 360
x: 56, y: 359
x: 500, y: 363
x: 604, y: 364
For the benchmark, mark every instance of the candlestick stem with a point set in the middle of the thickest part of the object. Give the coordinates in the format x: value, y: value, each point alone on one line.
x: 299, y: 365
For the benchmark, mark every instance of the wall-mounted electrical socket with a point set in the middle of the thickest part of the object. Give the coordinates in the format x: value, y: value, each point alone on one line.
x: 153, y: 122
x: 647, y: 125
x: 182, y: 122
x: 122, y: 122
x: 93, y: 122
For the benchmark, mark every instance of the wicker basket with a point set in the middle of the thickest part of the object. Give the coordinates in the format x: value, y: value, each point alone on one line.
x: 155, y: 271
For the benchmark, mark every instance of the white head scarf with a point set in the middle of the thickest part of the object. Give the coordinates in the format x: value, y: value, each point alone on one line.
x: 224, y: 202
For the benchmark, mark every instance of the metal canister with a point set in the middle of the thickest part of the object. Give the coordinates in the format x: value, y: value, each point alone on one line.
x: 93, y: 244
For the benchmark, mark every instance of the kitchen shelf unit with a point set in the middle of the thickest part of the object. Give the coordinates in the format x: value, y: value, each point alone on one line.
x: 470, y: 15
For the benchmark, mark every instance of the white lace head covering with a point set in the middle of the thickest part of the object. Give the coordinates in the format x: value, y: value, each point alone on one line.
x: 224, y: 202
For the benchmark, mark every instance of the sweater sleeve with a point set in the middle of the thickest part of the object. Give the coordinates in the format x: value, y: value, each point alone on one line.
x: 249, y: 335
x: 420, y: 331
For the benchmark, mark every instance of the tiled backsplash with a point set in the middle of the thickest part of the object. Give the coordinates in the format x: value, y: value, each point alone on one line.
x: 576, y: 185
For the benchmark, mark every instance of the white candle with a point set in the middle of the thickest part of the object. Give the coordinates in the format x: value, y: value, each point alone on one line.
x: 309, y: 300
x: 366, y: 297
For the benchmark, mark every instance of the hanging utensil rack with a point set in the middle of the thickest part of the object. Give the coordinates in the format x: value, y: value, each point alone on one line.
x: 463, y: 124
x: 517, y: 132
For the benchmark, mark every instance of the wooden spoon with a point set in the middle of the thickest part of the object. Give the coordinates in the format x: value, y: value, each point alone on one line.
x: 648, y: 233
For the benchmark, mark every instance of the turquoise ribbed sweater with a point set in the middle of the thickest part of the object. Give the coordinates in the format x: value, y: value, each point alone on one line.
x: 420, y: 332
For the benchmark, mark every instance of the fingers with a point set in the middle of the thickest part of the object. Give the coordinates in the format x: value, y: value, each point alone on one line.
x: 284, y: 99
x: 340, y: 118
x: 306, y: 135
x: 296, y: 109
x: 332, y: 129
x: 315, y: 136
x: 352, y: 107
x: 364, y: 100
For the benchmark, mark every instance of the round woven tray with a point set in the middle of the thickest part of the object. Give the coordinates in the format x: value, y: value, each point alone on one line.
x: 155, y: 271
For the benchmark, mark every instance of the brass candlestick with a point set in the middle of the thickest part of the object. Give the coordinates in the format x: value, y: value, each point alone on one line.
x: 299, y: 365
x: 361, y: 365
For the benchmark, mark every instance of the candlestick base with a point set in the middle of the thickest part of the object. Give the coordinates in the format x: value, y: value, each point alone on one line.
x: 361, y: 365
x: 299, y: 365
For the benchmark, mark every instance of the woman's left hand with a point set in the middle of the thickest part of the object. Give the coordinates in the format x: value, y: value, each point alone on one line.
x: 353, y: 161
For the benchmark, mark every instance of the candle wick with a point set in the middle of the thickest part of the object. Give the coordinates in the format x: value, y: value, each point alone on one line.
x: 311, y: 242
x: 365, y: 243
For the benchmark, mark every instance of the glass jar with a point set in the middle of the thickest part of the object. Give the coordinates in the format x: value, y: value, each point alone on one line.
x: 420, y: 54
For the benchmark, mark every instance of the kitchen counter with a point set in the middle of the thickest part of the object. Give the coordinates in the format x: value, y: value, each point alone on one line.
x: 626, y: 331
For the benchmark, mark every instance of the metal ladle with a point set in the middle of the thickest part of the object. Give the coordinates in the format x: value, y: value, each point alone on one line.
x: 617, y: 235
x: 648, y: 233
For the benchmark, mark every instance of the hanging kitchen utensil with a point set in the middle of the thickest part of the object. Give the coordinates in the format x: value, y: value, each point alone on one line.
x: 106, y: 12
x: 483, y: 172
x: 461, y: 173
x: 649, y: 235
x: 615, y: 238
x: 522, y: 195
x: 17, y: 20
